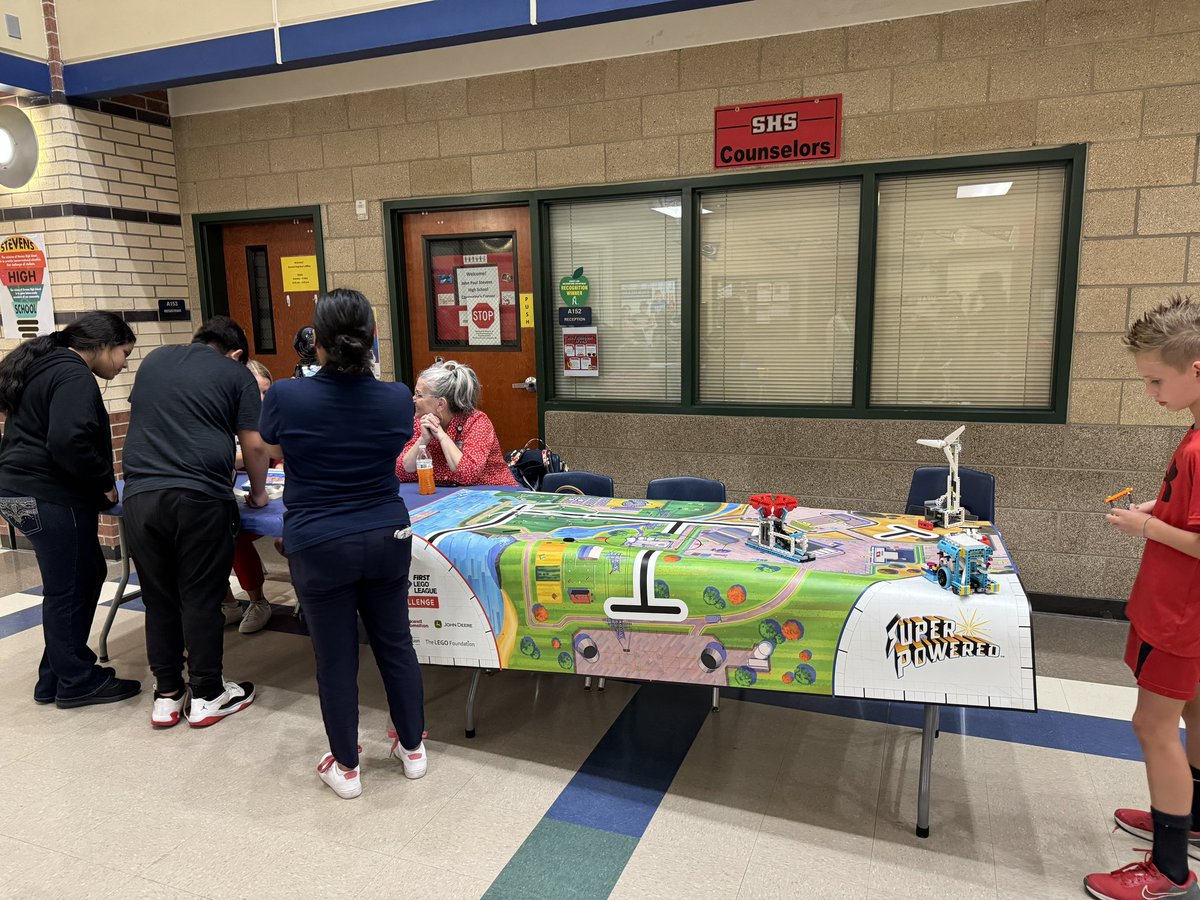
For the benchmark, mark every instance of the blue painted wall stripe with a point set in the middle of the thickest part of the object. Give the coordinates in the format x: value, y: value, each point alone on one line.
x: 574, y: 13
x: 403, y: 28
x: 26, y: 74
x: 234, y: 56
x: 420, y: 26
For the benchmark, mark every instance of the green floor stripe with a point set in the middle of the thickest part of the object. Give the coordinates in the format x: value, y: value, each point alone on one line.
x: 561, y: 860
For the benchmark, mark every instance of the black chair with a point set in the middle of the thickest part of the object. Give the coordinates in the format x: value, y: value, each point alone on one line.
x: 686, y: 487
x: 978, y: 490
x: 587, y: 483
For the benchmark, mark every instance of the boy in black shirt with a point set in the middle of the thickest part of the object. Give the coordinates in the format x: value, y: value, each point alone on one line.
x: 181, y: 520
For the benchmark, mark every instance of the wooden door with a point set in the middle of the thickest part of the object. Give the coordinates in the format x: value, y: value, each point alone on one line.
x: 254, y: 279
x: 465, y: 272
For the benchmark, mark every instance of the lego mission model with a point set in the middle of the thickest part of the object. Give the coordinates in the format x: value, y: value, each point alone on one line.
x: 947, y: 511
x: 774, y: 536
x: 962, y: 565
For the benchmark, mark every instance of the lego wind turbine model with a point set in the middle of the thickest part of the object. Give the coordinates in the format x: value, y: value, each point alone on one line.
x: 947, y: 510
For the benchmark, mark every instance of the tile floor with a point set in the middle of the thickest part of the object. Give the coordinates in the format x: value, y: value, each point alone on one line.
x: 630, y: 793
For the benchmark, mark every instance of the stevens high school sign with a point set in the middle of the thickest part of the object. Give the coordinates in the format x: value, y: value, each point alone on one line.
x: 781, y: 131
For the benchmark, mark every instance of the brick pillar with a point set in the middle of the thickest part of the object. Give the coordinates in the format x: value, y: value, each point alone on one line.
x: 53, y: 54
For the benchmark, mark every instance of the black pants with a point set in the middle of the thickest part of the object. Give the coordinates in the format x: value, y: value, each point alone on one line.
x: 360, y: 574
x: 73, y: 572
x: 182, y: 542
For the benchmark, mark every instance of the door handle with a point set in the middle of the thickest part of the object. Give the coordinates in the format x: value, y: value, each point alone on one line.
x: 529, y: 384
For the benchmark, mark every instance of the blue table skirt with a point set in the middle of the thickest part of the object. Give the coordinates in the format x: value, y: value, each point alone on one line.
x: 268, y: 521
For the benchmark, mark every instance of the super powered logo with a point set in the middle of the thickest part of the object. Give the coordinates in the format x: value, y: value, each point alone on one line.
x: 921, y: 640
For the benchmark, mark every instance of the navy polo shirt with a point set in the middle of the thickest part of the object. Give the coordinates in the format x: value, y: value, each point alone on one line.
x: 340, y: 436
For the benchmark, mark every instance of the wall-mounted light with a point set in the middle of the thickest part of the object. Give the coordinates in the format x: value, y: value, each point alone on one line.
x: 18, y: 147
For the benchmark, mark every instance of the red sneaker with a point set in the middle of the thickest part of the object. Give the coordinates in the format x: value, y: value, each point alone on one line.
x: 1138, y: 823
x: 1140, y: 881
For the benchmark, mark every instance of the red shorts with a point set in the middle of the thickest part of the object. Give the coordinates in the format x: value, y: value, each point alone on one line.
x: 1160, y: 672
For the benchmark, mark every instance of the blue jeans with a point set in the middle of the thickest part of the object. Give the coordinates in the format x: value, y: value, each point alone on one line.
x: 337, y: 581
x: 73, y: 572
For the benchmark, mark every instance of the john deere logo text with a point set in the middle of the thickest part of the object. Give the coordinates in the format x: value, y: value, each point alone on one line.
x: 930, y: 639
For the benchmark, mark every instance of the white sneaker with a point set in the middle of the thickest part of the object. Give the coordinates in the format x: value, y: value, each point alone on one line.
x: 167, y: 710
x: 236, y: 697
x: 232, y: 612
x: 415, y: 761
x: 346, y: 785
x: 258, y: 614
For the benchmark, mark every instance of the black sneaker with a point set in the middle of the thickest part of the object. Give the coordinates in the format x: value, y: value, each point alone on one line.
x: 112, y: 691
x: 45, y: 691
x: 237, y: 696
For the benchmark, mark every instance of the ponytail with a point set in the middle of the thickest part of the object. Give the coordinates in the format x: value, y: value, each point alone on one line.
x: 91, y: 331
x: 345, y: 327
x: 455, y: 382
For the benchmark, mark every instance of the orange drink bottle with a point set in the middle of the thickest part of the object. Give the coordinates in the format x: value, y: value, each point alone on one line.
x: 425, y: 484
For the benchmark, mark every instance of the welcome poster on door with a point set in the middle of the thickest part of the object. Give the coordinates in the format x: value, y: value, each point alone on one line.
x: 479, y: 292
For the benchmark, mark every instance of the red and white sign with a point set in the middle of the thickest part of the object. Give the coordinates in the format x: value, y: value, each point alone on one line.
x: 479, y: 291
x: 483, y: 316
x: 781, y: 131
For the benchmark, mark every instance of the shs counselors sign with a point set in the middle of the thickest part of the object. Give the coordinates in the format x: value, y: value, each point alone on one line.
x: 782, y: 131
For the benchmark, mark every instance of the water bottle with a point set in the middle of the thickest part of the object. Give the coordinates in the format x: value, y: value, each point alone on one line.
x: 425, y: 483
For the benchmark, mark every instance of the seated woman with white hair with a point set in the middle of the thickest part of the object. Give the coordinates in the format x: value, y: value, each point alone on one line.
x: 460, y: 438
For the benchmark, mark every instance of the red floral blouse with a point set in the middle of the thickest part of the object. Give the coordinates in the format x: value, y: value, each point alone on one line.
x: 482, y: 459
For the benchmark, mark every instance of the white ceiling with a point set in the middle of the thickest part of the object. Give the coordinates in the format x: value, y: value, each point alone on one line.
x: 735, y: 22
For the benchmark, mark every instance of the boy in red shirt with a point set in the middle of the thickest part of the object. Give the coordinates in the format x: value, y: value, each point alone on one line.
x: 1164, y: 614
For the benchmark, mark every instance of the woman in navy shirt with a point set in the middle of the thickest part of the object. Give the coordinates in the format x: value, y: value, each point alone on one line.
x: 347, y: 532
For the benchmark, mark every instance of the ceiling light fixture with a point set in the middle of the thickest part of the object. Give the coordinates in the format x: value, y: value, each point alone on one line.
x: 995, y: 189
x: 676, y: 212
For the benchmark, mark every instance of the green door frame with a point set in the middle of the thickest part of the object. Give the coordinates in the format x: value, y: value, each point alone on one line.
x: 393, y: 243
x: 210, y: 251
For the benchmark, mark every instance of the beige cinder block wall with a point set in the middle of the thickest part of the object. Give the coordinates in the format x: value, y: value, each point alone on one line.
x: 1121, y: 75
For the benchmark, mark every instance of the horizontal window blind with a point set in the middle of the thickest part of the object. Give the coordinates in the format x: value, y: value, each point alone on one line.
x: 966, y: 288
x: 778, y: 276
x: 630, y: 254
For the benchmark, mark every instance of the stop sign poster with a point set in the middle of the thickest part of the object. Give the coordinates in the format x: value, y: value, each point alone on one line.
x: 26, y: 306
x: 479, y: 292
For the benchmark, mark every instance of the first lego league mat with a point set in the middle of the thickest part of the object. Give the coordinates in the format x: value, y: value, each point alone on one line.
x: 674, y: 591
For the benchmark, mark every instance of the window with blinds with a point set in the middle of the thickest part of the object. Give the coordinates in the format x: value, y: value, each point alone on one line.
x: 966, y: 288
x: 778, y: 277
x: 630, y: 254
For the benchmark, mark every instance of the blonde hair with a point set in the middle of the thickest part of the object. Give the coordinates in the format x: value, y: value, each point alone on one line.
x: 257, y: 368
x: 458, y: 384
x: 1171, y: 329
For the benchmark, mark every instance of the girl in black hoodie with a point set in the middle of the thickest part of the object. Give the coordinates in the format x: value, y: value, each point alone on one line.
x: 56, y: 474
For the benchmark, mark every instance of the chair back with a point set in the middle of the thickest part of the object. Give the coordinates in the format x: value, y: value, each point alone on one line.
x: 978, y: 490
x: 587, y: 483
x: 686, y: 487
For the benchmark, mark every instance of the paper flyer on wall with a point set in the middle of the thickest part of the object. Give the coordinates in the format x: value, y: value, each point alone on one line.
x: 581, y: 352
x: 27, y: 304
